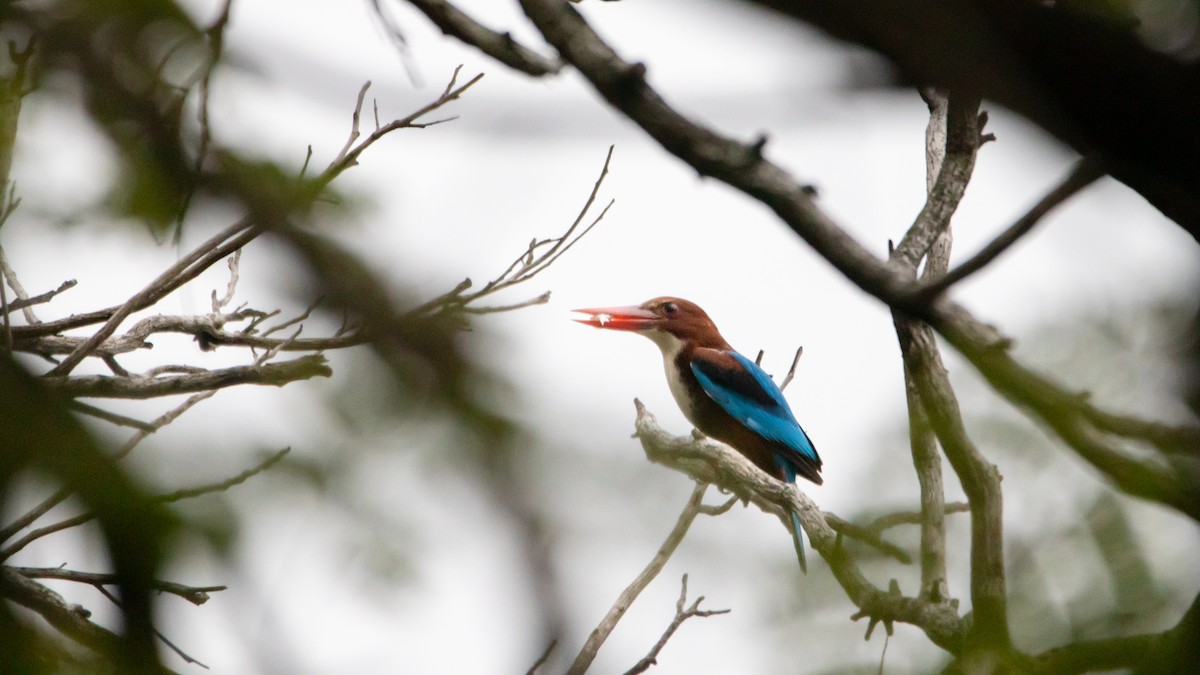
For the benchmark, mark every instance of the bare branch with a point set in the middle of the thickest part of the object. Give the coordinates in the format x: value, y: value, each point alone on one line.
x: 197, y: 595
x: 228, y: 240
x: 10, y: 277
x: 886, y: 522
x: 981, y: 482
x: 500, y: 46
x: 951, y: 140
x: 224, y: 485
x: 207, y: 329
x: 932, y: 402
x: 70, y: 620
x: 349, y: 155
x: 157, y: 633
x: 596, y: 639
x: 29, y: 517
x: 791, y: 373
x: 1086, y: 171
x: 537, y: 257
x: 706, y: 461
x: 142, y: 387
x: 119, y: 420
x: 218, y: 305
x: 21, y: 303
x: 681, y: 615
x: 543, y: 658
x: 867, y: 536
x: 961, y: 120
x: 88, y: 516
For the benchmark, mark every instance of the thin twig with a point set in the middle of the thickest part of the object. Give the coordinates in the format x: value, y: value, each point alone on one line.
x: 791, y: 373
x: 10, y: 276
x: 867, y: 536
x: 119, y: 420
x: 598, y: 635
x: 61, y: 495
x: 216, y: 45
x: 197, y: 595
x: 537, y: 257
x: 234, y: 262
x: 41, y: 298
x: 1085, y: 172
x: 890, y: 520
x: 179, y: 495
x: 543, y: 658
x: 240, y: 233
x: 350, y: 153
x: 157, y: 633
x: 719, y: 509
x: 539, y: 300
x: 681, y: 615
x: 224, y: 485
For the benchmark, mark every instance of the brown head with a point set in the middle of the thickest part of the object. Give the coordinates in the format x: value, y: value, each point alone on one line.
x: 664, y: 320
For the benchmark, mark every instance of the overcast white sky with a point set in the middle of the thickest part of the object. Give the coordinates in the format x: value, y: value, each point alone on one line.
x: 462, y: 199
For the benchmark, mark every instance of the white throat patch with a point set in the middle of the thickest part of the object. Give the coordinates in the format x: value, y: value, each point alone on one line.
x: 671, y: 346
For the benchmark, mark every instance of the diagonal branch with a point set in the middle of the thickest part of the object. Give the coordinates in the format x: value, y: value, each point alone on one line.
x: 221, y: 486
x: 1086, y: 171
x: 70, y: 620
x: 500, y: 46
x: 706, y: 461
x: 178, y: 495
x: 61, y: 495
x: 600, y: 633
x: 681, y: 615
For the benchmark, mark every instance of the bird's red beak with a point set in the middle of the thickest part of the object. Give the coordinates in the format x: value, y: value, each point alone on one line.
x: 619, y: 318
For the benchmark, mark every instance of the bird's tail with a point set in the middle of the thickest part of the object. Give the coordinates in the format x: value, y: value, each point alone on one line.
x: 798, y: 542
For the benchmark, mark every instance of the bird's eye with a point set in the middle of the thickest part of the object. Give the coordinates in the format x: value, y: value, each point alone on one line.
x: 670, y: 308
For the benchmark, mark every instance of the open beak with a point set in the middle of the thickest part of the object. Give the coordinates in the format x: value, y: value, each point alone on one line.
x: 619, y: 318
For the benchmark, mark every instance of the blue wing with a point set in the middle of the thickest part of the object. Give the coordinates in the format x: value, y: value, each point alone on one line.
x: 749, y: 395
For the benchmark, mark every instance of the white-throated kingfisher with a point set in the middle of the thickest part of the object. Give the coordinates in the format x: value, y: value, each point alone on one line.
x: 726, y: 395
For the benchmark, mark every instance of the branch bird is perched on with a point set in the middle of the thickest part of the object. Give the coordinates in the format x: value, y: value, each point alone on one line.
x: 726, y: 395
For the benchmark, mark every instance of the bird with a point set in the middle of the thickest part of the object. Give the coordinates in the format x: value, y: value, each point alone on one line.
x: 726, y: 396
